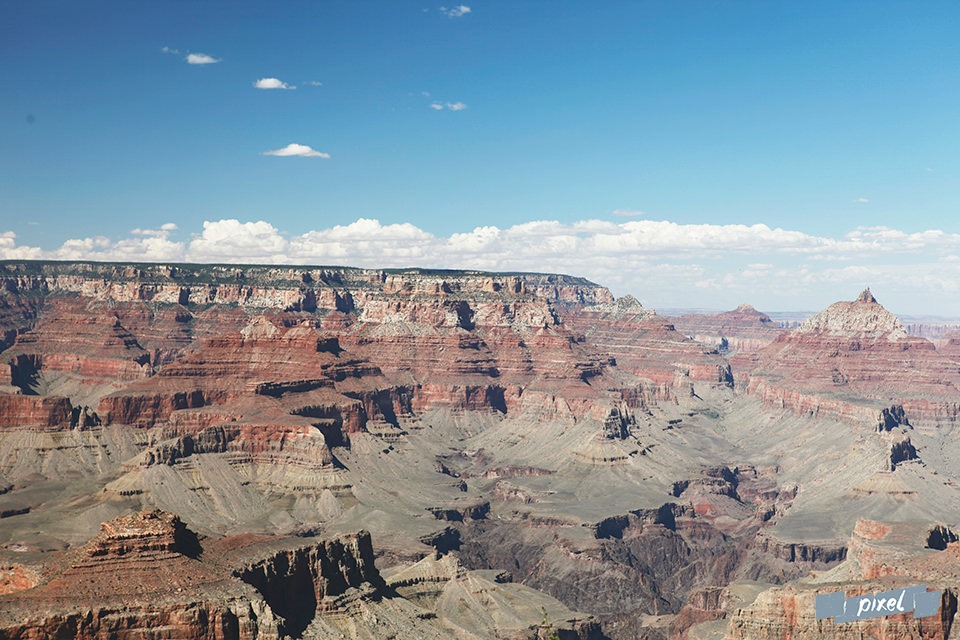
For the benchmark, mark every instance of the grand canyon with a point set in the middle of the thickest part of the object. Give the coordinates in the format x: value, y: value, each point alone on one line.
x: 204, y: 451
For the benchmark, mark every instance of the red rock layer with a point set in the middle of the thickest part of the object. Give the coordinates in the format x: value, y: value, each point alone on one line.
x: 471, y: 356
x: 17, y: 410
x: 168, y: 331
x: 851, y: 359
x: 737, y: 334
x: 646, y: 344
x: 881, y: 557
x: 77, y: 338
x: 17, y: 313
x: 264, y: 368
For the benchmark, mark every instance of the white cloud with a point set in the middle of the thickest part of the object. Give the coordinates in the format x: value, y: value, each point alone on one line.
x: 862, y: 200
x: 452, y: 106
x: 10, y: 251
x: 628, y: 213
x: 235, y: 241
x: 201, y: 58
x: 272, y: 83
x: 169, y: 50
x: 313, y: 83
x: 300, y: 150
x: 661, y: 262
x: 456, y: 12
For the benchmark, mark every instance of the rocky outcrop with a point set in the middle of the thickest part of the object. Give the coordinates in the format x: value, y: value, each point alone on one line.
x: 881, y: 557
x: 301, y: 583
x: 147, y: 576
x: 814, y: 555
x: 138, y: 578
x: 45, y: 412
x: 853, y: 361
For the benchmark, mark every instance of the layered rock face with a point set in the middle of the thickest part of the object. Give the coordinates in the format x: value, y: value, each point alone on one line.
x: 138, y: 578
x: 466, y: 340
x: 882, y: 557
x: 522, y: 447
x: 737, y: 334
x: 851, y: 359
x: 648, y: 345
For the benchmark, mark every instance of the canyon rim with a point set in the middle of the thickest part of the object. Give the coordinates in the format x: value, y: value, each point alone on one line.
x: 207, y: 451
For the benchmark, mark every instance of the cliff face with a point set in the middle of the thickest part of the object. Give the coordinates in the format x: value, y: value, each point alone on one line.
x: 138, y: 578
x: 291, y: 288
x: 146, y: 575
x: 467, y: 340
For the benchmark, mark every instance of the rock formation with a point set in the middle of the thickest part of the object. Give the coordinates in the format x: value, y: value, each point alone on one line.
x: 530, y: 455
x: 850, y: 360
x: 881, y: 557
x: 737, y: 334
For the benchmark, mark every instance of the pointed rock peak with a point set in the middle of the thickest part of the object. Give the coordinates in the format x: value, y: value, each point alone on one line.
x: 628, y: 302
x: 864, y: 318
x: 866, y: 296
x: 746, y: 308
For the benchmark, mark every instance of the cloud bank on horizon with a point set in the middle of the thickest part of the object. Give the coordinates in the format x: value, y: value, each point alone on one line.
x: 663, y: 263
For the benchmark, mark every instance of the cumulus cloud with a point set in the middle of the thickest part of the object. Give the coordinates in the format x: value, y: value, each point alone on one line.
x: 147, y: 245
x: 234, y: 241
x: 201, y: 58
x: 456, y: 12
x: 359, y: 242
x: 299, y: 150
x: 10, y: 251
x: 272, y: 83
x: 170, y: 50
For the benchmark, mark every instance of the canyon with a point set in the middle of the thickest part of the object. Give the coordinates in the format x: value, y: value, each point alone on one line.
x: 207, y: 451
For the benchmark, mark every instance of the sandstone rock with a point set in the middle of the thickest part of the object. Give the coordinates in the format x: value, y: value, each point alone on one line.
x: 737, y: 334
x: 853, y: 360
x: 647, y: 345
x: 882, y: 556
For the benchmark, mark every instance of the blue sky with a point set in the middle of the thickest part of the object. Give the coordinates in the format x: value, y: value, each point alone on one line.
x: 635, y: 143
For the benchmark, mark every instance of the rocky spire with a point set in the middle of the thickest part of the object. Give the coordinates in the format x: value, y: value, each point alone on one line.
x: 866, y: 296
x: 864, y: 318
